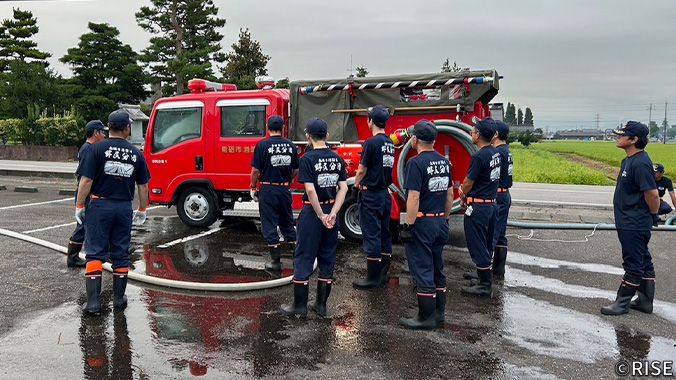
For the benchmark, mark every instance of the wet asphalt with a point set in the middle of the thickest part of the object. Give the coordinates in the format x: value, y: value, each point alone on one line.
x: 543, y: 321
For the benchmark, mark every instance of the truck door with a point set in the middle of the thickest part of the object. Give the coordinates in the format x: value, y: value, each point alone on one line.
x: 242, y: 125
x: 177, y: 146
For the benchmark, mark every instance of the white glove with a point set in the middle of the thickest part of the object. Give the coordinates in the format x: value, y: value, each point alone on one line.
x: 140, y: 217
x: 254, y: 195
x: 80, y: 215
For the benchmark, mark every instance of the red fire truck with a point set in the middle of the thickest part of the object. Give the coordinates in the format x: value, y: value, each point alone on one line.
x: 199, y: 145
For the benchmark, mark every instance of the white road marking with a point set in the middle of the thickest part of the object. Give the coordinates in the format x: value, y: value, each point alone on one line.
x: 67, y: 224
x: 560, y: 191
x: 563, y: 203
x: 37, y: 204
x: 191, y: 237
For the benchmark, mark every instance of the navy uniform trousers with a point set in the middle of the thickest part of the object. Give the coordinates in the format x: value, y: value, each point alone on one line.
x: 274, y: 205
x: 504, y: 201
x: 479, y: 231
x: 314, y: 242
x: 108, y: 231
x: 374, y: 219
x: 665, y: 208
x: 636, y: 259
x: 425, y: 252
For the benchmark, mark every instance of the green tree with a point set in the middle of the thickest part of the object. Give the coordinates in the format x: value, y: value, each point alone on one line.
x: 245, y: 62
x: 654, y: 128
x: 526, y: 138
x: 362, y: 72
x: 185, y: 42
x: 106, y: 72
x: 447, y: 68
x: 528, y: 117
x: 29, y: 83
x: 510, y: 114
x: 16, y: 42
x: 519, y: 117
x: 282, y: 83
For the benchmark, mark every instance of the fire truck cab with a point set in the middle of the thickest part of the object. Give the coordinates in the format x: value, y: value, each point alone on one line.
x: 199, y: 145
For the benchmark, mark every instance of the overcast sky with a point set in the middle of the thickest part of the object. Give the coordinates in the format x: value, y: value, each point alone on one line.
x: 567, y: 60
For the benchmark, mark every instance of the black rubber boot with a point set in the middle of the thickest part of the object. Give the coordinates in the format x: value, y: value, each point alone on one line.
x: 373, y: 276
x: 276, y: 264
x: 499, y: 259
x: 323, y: 291
x: 119, y: 288
x: 440, y: 311
x: 621, y: 304
x: 299, y: 306
x: 385, y: 261
x: 470, y: 275
x: 425, y: 320
x: 646, y: 295
x: 484, y: 288
x: 74, y: 260
x: 93, y: 287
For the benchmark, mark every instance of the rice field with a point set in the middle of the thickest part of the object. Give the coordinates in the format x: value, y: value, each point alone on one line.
x: 607, y: 152
x: 541, y: 166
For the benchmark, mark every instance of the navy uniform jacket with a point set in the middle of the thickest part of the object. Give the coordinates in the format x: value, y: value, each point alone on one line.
x: 275, y: 157
x: 430, y: 174
x: 324, y: 168
x: 378, y: 157
x: 484, y: 170
x: 636, y: 176
x: 116, y: 167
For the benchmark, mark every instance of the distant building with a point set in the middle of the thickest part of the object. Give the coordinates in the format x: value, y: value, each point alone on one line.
x: 137, y: 119
x: 521, y: 128
x: 580, y: 134
x: 497, y: 111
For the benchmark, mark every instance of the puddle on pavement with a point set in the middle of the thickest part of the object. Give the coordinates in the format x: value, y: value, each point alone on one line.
x: 522, y: 278
x: 209, y: 256
x: 542, y: 262
x: 178, y: 335
x: 573, y: 335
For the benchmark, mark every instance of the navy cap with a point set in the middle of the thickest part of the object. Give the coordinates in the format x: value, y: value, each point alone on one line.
x: 659, y: 168
x: 379, y: 114
x: 95, y: 125
x: 316, y: 126
x: 425, y: 130
x: 501, y: 127
x: 275, y: 123
x: 633, y: 129
x: 486, y: 127
x: 118, y: 119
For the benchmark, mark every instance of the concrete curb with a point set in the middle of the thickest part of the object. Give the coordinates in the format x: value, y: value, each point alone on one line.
x: 25, y: 189
x: 28, y: 173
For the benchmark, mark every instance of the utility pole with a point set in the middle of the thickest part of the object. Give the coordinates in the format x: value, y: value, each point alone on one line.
x: 650, y: 115
x: 350, y: 70
x: 664, y: 139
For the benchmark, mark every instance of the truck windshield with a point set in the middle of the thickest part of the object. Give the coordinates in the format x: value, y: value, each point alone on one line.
x: 243, y: 121
x: 173, y: 126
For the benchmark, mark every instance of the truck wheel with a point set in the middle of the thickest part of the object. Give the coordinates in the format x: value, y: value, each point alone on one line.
x: 197, y: 207
x: 348, y: 217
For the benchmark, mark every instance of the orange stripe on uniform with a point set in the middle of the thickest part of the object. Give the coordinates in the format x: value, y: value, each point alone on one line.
x: 121, y: 270
x: 94, y: 266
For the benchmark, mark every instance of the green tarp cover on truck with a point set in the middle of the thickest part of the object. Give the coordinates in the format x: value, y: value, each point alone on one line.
x: 341, y: 125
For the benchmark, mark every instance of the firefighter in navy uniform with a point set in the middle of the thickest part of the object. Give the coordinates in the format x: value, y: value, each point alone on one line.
x: 274, y: 166
x: 664, y: 186
x: 425, y: 231
x: 109, y: 172
x: 95, y: 131
x: 635, y: 204
x: 504, y: 201
x: 372, y: 180
x: 478, y: 192
x: 323, y: 174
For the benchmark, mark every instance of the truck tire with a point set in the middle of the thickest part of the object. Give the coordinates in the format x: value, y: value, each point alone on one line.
x: 197, y: 207
x: 348, y: 217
